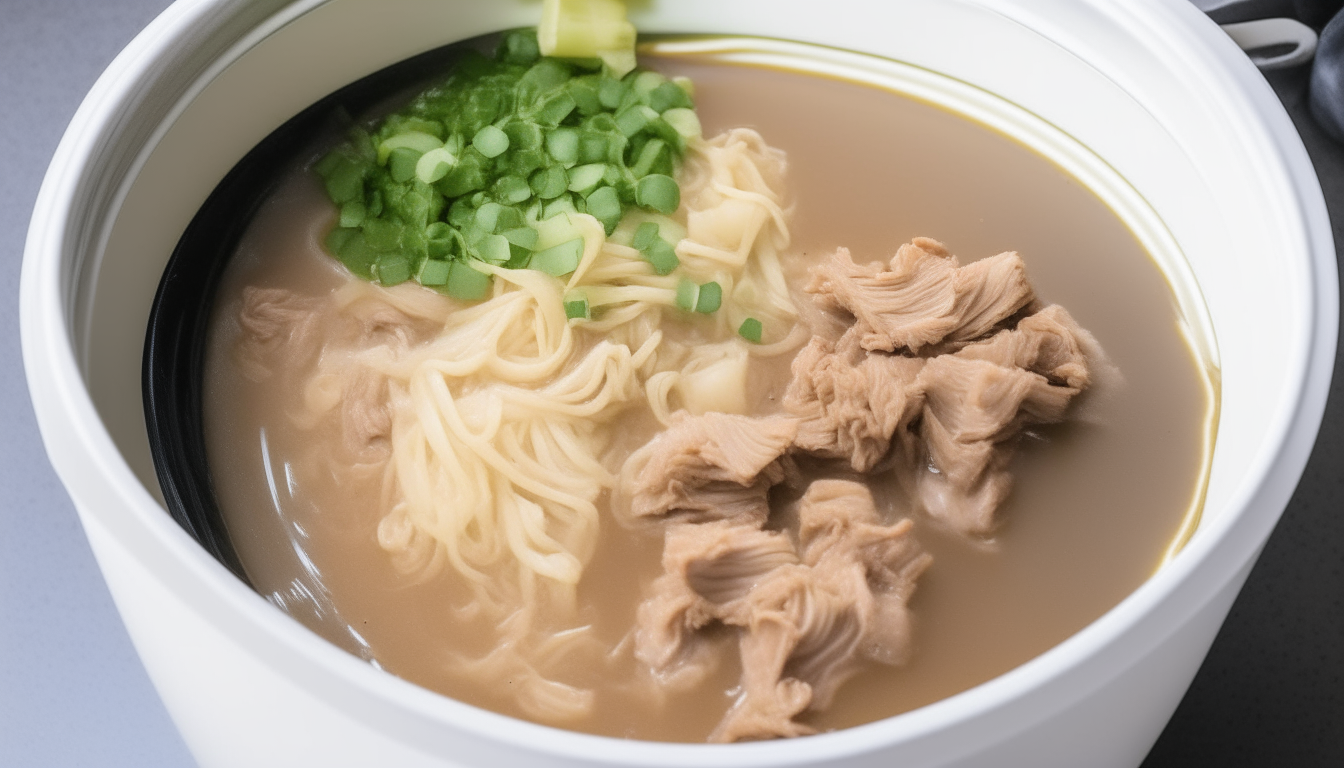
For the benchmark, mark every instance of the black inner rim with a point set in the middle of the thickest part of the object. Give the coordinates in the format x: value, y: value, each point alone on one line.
x: 174, y: 357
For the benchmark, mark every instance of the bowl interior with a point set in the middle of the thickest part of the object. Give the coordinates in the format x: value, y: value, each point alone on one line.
x: 1162, y: 131
x: 179, y: 318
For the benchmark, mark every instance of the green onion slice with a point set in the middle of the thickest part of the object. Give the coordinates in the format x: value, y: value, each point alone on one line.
x: 490, y: 141
x: 688, y: 294
x: 710, y: 298
x: 559, y: 260
x: 750, y: 330
x: 576, y: 307
x: 658, y: 192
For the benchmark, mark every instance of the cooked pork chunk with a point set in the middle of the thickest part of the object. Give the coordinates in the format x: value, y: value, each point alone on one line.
x: 806, y: 622
x: 715, y: 466
x: 849, y: 402
x: 972, y: 408
x: 971, y: 392
x: 952, y: 363
x: 275, y: 323
x: 922, y: 297
x: 708, y: 570
x: 1048, y: 342
x: 284, y: 330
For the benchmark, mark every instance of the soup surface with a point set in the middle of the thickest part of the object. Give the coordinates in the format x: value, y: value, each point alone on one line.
x: 1096, y: 503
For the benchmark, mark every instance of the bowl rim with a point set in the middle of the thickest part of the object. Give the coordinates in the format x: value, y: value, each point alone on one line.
x: 71, y: 427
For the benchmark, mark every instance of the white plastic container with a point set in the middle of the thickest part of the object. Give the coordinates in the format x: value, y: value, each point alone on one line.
x: 1146, y: 100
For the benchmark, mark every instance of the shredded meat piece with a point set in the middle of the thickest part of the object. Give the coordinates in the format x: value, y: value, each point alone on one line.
x: 284, y: 330
x: 275, y: 322
x: 948, y: 362
x: 923, y: 297
x: 977, y: 383
x: 714, y: 466
x: 850, y: 403
x: 366, y: 419
x: 806, y: 622
x: 708, y: 570
x: 1049, y: 342
x: 972, y: 408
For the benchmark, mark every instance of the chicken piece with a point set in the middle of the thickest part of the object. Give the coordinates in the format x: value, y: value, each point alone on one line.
x: 849, y: 403
x: 972, y: 410
x: 922, y: 298
x: 714, y: 466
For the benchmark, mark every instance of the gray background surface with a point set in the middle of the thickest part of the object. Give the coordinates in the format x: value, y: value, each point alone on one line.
x: 73, y: 693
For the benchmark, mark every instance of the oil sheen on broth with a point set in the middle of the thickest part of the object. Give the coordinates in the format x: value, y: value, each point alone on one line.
x: 1097, y: 500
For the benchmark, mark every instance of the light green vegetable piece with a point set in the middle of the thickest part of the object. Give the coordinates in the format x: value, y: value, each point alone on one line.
x: 584, y: 29
x: 559, y: 260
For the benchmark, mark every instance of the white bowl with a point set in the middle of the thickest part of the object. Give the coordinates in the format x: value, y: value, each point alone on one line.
x: 1145, y: 100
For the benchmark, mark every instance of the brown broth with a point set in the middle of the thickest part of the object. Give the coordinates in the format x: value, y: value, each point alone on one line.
x: 1096, y: 503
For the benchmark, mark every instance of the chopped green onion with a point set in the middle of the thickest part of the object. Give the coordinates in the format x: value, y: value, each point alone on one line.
x: 559, y: 260
x: 479, y: 166
x: 358, y: 256
x: 344, y: 180
x: 490, y: 141
x: 649, y: 155
x: 563, y: 145
x: 519, y: 257
x: 433, y: 272
x: 461, y: 213
x: 688, y: 293
x: 584, y: 93
x: 522, y: 241
x: 353, y: 213
x: 445, y: 244
x: 593, y: 147
x: 415, y: 140
x: 644, y: 236
x: 633, y: 120
x: 545, y: 75
x: 549, y: 183
x: 582, y: 178
x: 338, y: 237
x: 576, y: 307
x: 488, y: 217
x: 512, y: 189
x: 524, y: 237
x: 658, y: 192
x: 494, y: 249
x: 604, y: 204
x: 524, y: 135
x: 684, y: 122
x: 401, y: 164
x: 562, y: 204
x: 519, y: 47
x: 710, y: 298
x: 524, y: 161
x: 664, y: 130
x: 645, y: 82
x: 668, y: 95
x: 466, y: 283
x: 554, y: 109
x: 611, y: 92
x: 662, y: 256
x: 686, y: 84
x: 382, y: 234
x: 393, y: 268
x: 434, y: 165
x: 750, y: 330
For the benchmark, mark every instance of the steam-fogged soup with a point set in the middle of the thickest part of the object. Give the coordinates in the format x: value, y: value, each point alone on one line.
x: 1097, y: 500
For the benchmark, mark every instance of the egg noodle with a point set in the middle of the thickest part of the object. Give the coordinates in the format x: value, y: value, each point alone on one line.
x: 499, y: 423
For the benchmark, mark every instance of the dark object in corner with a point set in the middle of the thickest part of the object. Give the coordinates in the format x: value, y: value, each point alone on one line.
x: 1313, y: 13
x: 1327, y: 80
